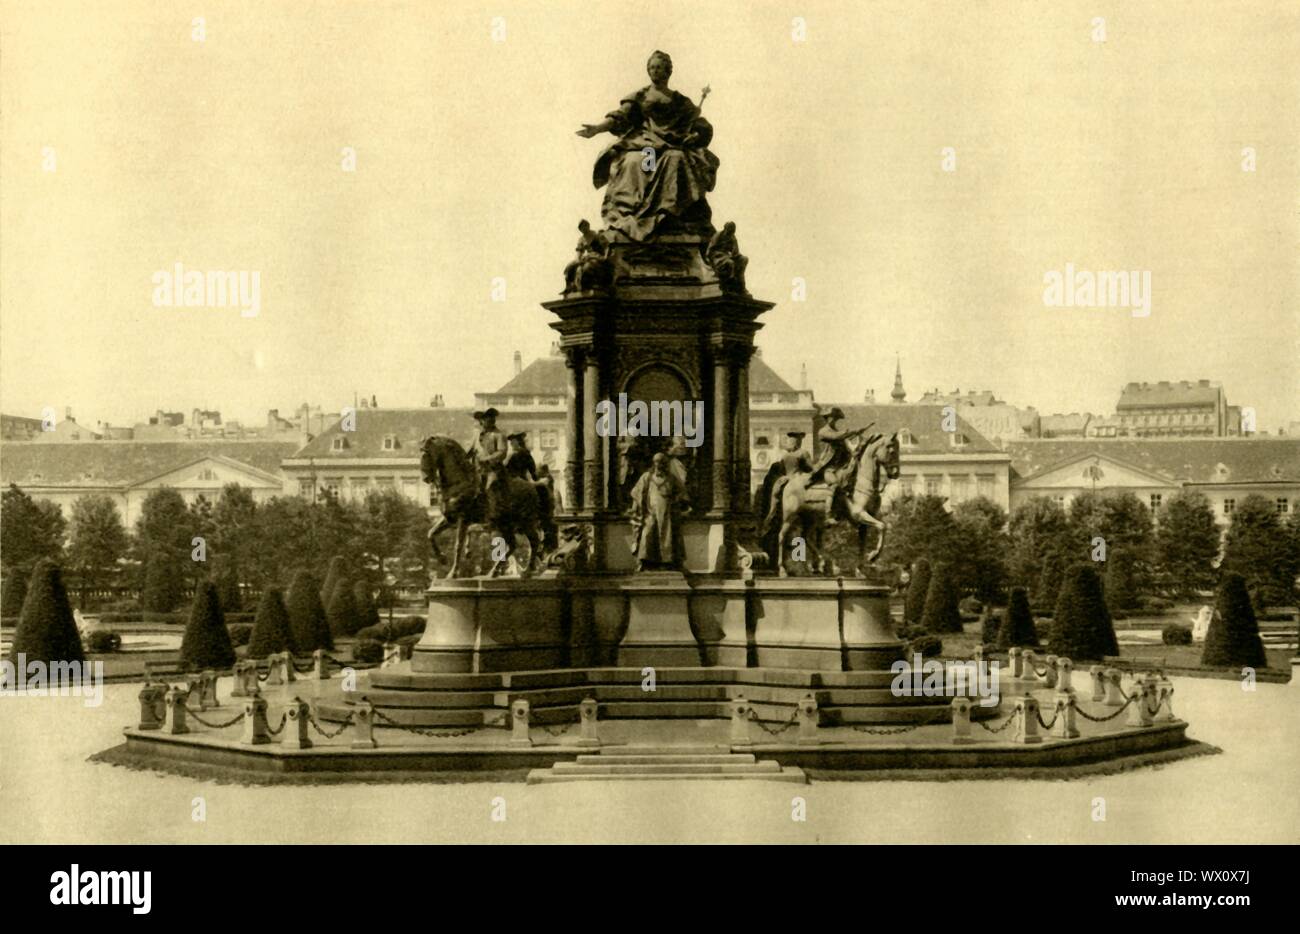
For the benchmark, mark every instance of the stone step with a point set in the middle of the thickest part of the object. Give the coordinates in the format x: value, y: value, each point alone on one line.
x: 734, y: 758
x: 652, y: 768
x: 792, y: 774
x: 667, y: 749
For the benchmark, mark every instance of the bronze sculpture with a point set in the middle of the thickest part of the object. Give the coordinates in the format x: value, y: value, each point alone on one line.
x: 590, y: 268
x: 659, y: 499
x: 723, y: 254
x: 658, y: 171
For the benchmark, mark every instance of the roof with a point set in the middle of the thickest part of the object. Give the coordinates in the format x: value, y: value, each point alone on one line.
x: 762, y: 378
x: 1146, y: 395
x: 1075, y: 421
x: 408, y: 426
x: 923, y: 422
x: 1188, y: 460
x: 543, y: 377
x: 124, y: 463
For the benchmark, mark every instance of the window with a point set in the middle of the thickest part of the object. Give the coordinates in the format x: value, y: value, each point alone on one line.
x: 959, y: 440
x: 1282, y: 505
x: 1155, y: 502
x: 386, y: 483
x: 411, y: 488
x: 960, y: 488
x: 932, y: 485
x: 207, y: 473
x: 762, y: 441
x: 390, y: 442
x: 906, y: 439
x: 339, y: 444
x: 1059, y: 499
x: 1228, y: 505
x: 550, y: 439
x: 985, y: 484
x: 331, y: 485
x: 906, y: 483
x: 305, y: 488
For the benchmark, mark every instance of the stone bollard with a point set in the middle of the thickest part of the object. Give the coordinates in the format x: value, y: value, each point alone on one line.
x: 208, y: 685
x: 961, y: 721
x: 149, y: 695
x: 1027, y: 721
x: 1027, y: 660
x: 363, y: 725
x: 175, y: 700
x: 1049, y: 677
x: 740, y: 710
x: 1014, y: 663
x: 322, y: 672
x: 1065, y: 727
x: 194, y: 690
x: 297, y: 717
x: 289, y: 675
x: 392, y: 654
x: 255, y: 729
x: 1166, y: 695
x: 587, y: 735
x: 1064, y: 675
x: 240, y: 687
x: 275, y: 668
x: 519, y: 723
x: 1098, y: 675
x: 808, y: 721
x: 1138, y: 714
x: 1114, y: 694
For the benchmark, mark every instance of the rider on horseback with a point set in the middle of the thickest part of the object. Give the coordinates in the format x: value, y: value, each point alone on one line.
x: 836, y: 454
x: 793, y: 461
x: 488, y: 452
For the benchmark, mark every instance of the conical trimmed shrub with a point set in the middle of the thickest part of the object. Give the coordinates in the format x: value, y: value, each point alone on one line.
x: 1017, y: 630
x: 307, y: 620
x: 1233, y: 639
x: 342, y: 611
x: 917, y: 587
x: 367, y: 612
x: 271, y: 630
x: 12, y: 593
x: 206, y: 643
x: 941, y: 613
x: 1081, y: 626
x: 47, y: 631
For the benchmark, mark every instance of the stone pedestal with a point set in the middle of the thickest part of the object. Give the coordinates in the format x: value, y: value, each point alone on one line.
x: 500, y: 624
x: 658, y: 623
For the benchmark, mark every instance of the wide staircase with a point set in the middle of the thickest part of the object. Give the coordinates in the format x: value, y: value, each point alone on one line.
x: 667, y: 763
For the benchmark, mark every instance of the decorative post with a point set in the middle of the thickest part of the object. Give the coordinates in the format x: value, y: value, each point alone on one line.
x: 256, y: 732
x: 808, y: 721
x: 392, y: 655
x: 322, y: 671
x: 176, y: 711
x: 1114, y: 696
x: 149, y: 697
x: 275, y: 668
x: 1098, y: 675
x: 1049, y: 677
x: 587, y: 735
x: 519, y: 723
x: 1065, y: 726
x: 209, y: 695
x: 1013, y: 661
x: 1027, y: 721
x: 721, y: 431
x: 1064, y: 674
x: 1166, y: 711
x: 961, y: 721
x: 740, y: 721
x: 297, y: 716
x: 1027, y: 668
x: 363, y: 725
x: 1138, y: 714
x: 289, y: 675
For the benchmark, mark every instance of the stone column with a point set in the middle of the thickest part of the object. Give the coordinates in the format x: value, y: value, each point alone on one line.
x: 592, y: 448
x: 721, y: 431
x: 740, y: 448
x: 573, y: 433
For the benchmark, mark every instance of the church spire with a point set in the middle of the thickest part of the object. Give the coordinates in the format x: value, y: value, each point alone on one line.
x: 899, y: 394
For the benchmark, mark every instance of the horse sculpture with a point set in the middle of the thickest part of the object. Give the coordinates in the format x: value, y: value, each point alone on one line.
x: 855, y: 495
x: 521, y: 507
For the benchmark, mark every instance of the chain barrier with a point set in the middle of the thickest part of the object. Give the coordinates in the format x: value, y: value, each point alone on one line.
x: 1087, y: 716
x: 275, y: 731
x: 330, y: 658
x: 774, y: 731
x: 326, y: 733
x: 302, y: 671
x: 1152, y: 711
x: 264, y: 677
x: 555, y: 732
x: 215, y: 726
x: 1038, y: 712
x: 436, y: 734
x: 995, y: 731
x: 1042, y: 673
x: 939, y: 715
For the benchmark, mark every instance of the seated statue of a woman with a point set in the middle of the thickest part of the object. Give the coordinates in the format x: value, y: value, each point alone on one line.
x: 658, y: 171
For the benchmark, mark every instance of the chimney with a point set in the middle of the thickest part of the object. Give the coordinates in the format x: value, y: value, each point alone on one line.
x: 869, y: 397
x: 519, y: 363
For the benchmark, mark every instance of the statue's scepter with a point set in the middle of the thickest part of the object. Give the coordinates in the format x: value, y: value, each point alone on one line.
x: 704, y: 92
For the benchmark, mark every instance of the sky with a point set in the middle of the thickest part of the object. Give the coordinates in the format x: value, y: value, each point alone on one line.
x: 832, y: 122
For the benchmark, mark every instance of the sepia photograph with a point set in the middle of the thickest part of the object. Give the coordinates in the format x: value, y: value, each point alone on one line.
x: 684, y: 423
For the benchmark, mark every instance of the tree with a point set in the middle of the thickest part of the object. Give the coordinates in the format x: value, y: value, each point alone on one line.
x: 201, y: 525
x: 164, y: 582
x: 29, y: 531
x: 271, y: 630
x: 47, y: 631
x: 386, y: 520
x: 367, y: 612
x: 1258, y: 547
x: 919, y: 526
x: 336, y: 572
x: 206, y: 643
x: 1121, y: 583
x: 163, y: 545
x: 234, y: 530
x: 307, y: 620
x: 1082, y: 627
x: 1187, y: 542
x: 1040, y: 536
x: 1121, y: 521
x: 12, y: 593
x: 97, y: 541
x: 342, y: 610
x: 941, y: 613
x: 1018, y: 628
x: 1233, y: 638
x: 982, y: 546
x: 917, y: 586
